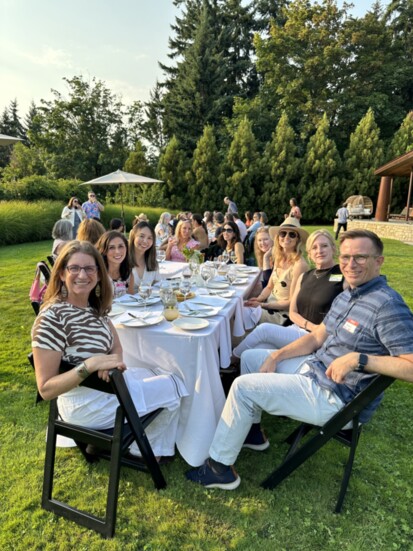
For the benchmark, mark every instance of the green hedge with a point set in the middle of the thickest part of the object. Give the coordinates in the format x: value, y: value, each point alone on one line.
x: 26, y: 222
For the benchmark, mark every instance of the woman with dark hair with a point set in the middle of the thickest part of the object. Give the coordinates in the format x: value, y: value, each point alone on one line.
x: 142, y: 255
x: 113, y: 246
x: 90, y: 230
x: 248, y: 218
x: 74, y: 213
x: 73, y: 326
x: 230, y: 241
x: 200, y: 231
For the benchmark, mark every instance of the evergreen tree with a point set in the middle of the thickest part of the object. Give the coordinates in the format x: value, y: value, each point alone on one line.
x: 205, y: 190
x: 319, y: 184
x: 30, y: 121
x: 281, y: 169
x: 172, y: 169
x: 242, y: 167
x: 153, y: 126
x: 402, y: 141
x: 363, y: 156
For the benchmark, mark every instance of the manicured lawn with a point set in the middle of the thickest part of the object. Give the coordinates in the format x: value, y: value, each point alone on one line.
x: 296, y: 516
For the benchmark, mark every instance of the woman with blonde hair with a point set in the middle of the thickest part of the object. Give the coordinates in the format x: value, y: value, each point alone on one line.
x: 311, y: 300
x: 273, y: 303
x: 162, y: 227
x: 74, y: 312
x: 263, y: 253
x: 90, y: 230
x: 181, y: 240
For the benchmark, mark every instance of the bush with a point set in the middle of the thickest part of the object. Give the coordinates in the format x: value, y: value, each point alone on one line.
x: 38, y: 188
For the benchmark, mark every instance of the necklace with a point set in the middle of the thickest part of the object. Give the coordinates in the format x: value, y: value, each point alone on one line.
x: 321, y: 273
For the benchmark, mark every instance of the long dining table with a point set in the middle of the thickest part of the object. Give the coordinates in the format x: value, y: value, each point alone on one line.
x: 195, y: 355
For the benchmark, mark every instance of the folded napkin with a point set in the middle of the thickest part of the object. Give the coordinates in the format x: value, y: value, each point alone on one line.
x: 208, y: 300
x: 126, y: 318
x: 129, y: 299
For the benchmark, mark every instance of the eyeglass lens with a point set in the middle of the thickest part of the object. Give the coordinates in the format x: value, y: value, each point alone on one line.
x: 75, y: 269
x: 358, y: 258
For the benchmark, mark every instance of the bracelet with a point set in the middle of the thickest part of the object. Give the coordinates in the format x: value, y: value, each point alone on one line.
x: 82, y: 370
x: 305, y: 325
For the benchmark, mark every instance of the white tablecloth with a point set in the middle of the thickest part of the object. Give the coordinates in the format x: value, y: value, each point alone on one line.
x: 196, y: 356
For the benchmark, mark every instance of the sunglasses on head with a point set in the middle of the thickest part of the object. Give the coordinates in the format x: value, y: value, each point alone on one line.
x: 291, y: 234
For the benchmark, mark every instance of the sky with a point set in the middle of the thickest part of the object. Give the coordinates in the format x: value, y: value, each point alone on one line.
x: 117, y: 41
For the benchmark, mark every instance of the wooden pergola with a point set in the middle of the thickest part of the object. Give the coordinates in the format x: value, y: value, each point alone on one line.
x: 400, y: 166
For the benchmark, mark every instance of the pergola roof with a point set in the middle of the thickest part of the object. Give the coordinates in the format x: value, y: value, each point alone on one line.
x: 400, y: 166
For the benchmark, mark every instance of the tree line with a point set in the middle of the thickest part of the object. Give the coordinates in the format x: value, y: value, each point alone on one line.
x: 261, y: 101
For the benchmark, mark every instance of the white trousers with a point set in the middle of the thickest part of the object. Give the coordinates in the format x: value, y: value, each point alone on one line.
x: 286, y: 392
x: 269, y: 335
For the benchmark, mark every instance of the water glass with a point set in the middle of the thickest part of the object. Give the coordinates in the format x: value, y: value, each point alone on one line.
x: 185, y: 287
x: 232, y: 275
x: 145, y: 291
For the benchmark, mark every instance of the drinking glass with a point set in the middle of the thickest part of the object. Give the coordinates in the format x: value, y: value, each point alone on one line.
x: 225, y: 256
x: 232, y: 275
x: 165, y: 289
x: 206, y: 273
x: 185, y: 287
x: 145, y: 291
x: 160, y: 255
x: 170, y: 311
x: 233, y: 257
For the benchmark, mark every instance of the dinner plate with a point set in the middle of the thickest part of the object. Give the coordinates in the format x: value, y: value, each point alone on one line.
x: 203, y: 312
x: 143, y: 322
x: 217, y: 285
x: 247, y: 269
x: 116, y: 310
x: 240, y: 281
x: 190, y: 324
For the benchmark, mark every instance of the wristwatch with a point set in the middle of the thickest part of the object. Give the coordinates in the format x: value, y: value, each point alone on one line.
x: 363, y: 359
x: 82, y: 370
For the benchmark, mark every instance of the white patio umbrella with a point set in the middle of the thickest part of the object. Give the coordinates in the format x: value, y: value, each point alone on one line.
x: 121, y: 177
x: 8, y: 140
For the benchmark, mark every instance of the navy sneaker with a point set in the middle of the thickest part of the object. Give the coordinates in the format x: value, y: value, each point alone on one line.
x: 205, y: 475
x: 256, y: 439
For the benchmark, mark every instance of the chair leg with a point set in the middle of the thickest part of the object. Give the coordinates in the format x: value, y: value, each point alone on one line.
x: 355, y: 435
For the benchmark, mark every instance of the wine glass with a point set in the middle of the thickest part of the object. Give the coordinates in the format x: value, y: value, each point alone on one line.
x: 185, y: 287
x: 145, y: 291
x: 233, y: 257
x: 160, y: 255
x: 206, y: 273
x: 193, y: 266
x: 165, y: 289
x: 187, y: 272
x: 225, y: 256
x: 232, y: 275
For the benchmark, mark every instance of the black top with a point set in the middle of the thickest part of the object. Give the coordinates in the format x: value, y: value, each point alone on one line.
x: 318, y: 290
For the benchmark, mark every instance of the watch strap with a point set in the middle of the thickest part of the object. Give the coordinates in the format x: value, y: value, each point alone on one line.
x: 363, y: 360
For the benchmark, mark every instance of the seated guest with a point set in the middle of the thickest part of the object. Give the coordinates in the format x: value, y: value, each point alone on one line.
x: 140, y: 218
x: 162, y: 227
x: 113, y: 246
x: 241, y: 226
x: 311, y: 300
x: 74, y: 313
x: 368, y: 330
x: 117, y: 224
x: 263, y: 253
x: 248, y: 218
x: 62, y: 232
x: 230, y: 241
x: 90, y: 230
x: 219, y: 220
x: 181, y: 240
x: 256, y: 223
x: 274, y: 301
x: 142, y: 254
x: 199, y: 231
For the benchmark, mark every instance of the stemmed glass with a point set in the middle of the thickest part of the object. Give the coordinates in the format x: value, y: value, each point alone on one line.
x: 160, y: 255
x: 145, y: 291
x: 225, y: 256
x: 206, y: 273
x: 233, y: 257
x: 232, y: 275
x: 185, y: 286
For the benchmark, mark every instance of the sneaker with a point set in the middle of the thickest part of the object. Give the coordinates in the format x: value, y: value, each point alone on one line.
x: 228, y: 480
x: 256, y: 439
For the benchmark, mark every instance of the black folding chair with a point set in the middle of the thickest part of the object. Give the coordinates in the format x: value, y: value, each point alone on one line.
x: 111, y: 445
x: 334, y: 428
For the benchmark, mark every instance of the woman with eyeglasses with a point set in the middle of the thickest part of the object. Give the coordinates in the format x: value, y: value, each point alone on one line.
x: 142, y: 255
x: 74, y: 213
x: 181, y: 240
x: 230, y: 241
x: 73, y: 337
x: 273, y: 303
x: 310, y: 302
x: 113, y: 246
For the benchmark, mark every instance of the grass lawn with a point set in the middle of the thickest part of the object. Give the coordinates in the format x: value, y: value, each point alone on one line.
x: 297, y: 515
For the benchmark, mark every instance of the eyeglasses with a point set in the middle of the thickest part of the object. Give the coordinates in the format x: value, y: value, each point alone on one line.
x: 92, y: 195
x: 291, y: 234
x: 360, y: 259
x: 75, y: 269
x: 228, y: 230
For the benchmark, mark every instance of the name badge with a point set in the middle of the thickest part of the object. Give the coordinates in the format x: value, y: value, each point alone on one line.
x: 351, y: 325
x: 336, y: 277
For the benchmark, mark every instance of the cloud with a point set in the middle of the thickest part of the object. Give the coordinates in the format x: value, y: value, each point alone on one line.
x: 49, y: 56
x: 128, y: 91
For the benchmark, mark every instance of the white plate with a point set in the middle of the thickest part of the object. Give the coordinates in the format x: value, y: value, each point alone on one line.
x: 217, y: 285
x: 139, y: 303
x: 240, y: 281
x: 247, y: 269
x: 143, y: 322
x: 201, y: 313
x: 190, y: 324
x: 116, y: 310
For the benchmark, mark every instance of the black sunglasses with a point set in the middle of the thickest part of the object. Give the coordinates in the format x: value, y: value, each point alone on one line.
x: 229, y: 230
x: 291, y: 234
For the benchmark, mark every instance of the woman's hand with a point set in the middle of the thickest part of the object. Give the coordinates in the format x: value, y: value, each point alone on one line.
x: 103, y: 363
x: 253, y: 302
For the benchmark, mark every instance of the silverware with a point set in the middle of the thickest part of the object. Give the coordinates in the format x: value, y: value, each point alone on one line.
x: 138, y: 318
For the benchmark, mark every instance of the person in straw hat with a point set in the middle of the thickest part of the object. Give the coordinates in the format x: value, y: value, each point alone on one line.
x: 272, y: 304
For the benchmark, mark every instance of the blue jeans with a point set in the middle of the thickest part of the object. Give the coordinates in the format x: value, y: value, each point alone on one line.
x: 286, y: 392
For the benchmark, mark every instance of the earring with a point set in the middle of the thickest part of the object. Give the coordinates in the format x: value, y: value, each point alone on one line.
x: 97, y: 290
x: 63, y: 291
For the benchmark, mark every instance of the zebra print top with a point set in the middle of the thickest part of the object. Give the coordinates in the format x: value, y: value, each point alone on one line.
x: 76, y: 332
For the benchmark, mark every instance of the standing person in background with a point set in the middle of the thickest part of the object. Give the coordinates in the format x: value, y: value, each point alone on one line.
x: 232, y: 207
x: 295, y: 211
x: 342, y: 215
x: 74, y: 213
x: 92, y: 207
x: 200, y: 231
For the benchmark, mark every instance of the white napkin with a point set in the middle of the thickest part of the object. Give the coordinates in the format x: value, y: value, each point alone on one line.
x: 127, y: 299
